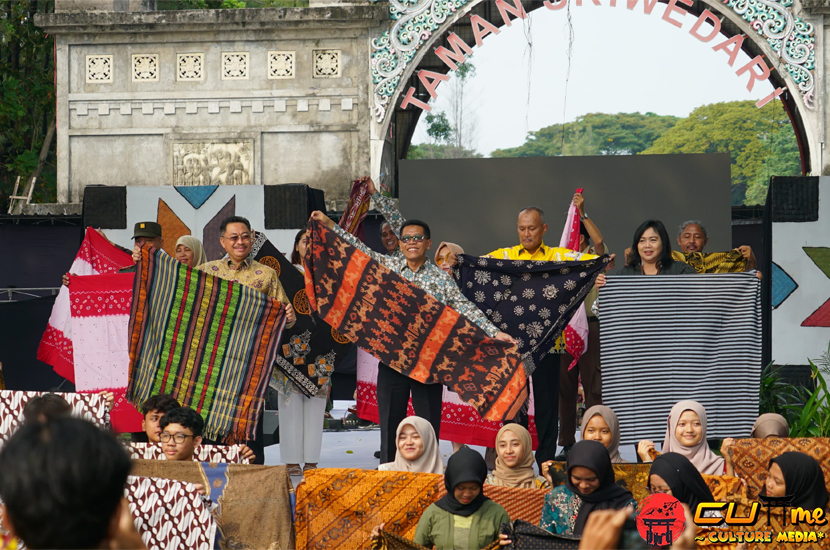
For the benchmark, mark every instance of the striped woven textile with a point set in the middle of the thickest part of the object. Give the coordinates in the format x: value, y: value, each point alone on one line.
x: 666, y: 338
x: 208, y: 342
x: 356, y: 209
x: 410, y: 330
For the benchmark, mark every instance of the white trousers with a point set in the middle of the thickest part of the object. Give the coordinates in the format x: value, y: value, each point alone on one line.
x: 301, y: 428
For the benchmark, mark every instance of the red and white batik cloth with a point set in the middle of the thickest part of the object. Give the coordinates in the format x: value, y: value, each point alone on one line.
x: 90, y: 407
x: 100, y: 319
x: 96, y: 256
x: 576, y: 333
x: 228, y: 454
x: 460, y: 422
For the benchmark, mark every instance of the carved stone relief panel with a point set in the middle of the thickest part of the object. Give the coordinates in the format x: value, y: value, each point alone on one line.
x: 235, y: 65
x: 145, y: 67
x: 190, y: 66
x: 281, y: 65
x: 213, y: 162
x: 326, y: 63
x: 98, y: 69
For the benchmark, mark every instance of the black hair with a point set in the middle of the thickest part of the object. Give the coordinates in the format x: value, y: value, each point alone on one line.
x: 418, y: 223
x: 62, y: 483
x: 163, y: 403
x: 584, y: 232
x: 186, y: 418
x: 295, y: 254
x: 665, y: 261
x: 233, y: 219
x: 49, y: 406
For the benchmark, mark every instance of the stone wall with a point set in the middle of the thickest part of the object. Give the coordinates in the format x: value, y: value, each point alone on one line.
x: 199, y: 97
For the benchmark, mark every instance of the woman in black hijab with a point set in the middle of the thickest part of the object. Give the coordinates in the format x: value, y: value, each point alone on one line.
x: 800, y: 476
x: 464, y: 517
x: 589, y: 486
x: 673, y: 474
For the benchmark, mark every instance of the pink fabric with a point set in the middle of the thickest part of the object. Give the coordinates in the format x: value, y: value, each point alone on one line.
x: 460, y: 422
x: 96, y: 256
x: 576, y: 333
x: 100, y: 316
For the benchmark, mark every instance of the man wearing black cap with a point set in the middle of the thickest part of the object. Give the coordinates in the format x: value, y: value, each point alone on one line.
x: 144, y: 232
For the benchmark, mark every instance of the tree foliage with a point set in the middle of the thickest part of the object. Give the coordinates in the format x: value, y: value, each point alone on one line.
x: 440, y: 151
x: 27, y: 97
x: 594, y: 134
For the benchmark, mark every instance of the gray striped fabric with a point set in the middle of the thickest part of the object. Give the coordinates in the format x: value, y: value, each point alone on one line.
x: 666, y: 338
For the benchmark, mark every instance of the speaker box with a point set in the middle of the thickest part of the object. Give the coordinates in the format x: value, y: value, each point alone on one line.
x: 289, y: 206
x: 794, y: 199
x: 105, y: 207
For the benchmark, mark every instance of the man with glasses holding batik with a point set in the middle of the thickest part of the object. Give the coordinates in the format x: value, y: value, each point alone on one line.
x: 394, y: 388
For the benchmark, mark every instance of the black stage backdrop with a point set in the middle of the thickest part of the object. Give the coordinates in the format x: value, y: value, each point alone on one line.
x: 475, y: 202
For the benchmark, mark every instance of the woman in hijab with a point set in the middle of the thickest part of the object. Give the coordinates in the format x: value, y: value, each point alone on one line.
x: 600, y: 423
x: 770, y: 425
x: 514, y: 460
x: 445, y: 255
x: 674, y: 475
x: 463, y: 518
x: 800, y: 476
x: 417, y: 448
x: 189, y: 251
x: 589, y: 486
x: 686, y: 435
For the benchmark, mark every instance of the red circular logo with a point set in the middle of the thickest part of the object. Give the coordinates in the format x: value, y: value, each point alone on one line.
x: 661, y: 519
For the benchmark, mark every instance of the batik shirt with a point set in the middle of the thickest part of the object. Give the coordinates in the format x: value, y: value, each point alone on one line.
x: 561, y: 510
x: 429, y: 278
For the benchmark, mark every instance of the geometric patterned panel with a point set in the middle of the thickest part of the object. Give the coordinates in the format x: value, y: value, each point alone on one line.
x: 819, y: 318
x: 172, y: 227
x: 197, y: 194
x: 782, y: 285
x: 820, y: 256
x: 751, y: 457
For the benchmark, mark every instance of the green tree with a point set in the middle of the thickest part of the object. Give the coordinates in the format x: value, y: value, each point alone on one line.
x: 760, y: 141
x: 594, y: 134
x: 27, y: 100
x: 439, y: 151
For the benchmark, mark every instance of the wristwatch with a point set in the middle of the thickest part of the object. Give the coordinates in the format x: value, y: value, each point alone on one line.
x: 585, y: 217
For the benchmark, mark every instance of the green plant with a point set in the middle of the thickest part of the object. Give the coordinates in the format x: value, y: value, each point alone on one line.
x: 775, y: 394
x: 813, y: 418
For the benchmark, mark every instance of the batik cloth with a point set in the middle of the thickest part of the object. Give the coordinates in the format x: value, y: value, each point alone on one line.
x: 533, y: 301
x: 89, y: 406
x: 250, y: 273
x: 576, y: 333
x: 100, y: 319
x: 528, y: 536
x: 408, y: 329
x: 229, y: 454
x: 207, y: 341
x: 170, y: 514
x: 254, y: 501
x: 95, y: 257
x: 310, y: 350
x: 712, y: 262
x: 356, y: 209
x: 751, y: 457
x: 338, y: 508
x: 668, y: 338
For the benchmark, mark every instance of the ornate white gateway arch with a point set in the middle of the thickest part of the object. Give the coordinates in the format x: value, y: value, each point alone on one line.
x: 426, y: 39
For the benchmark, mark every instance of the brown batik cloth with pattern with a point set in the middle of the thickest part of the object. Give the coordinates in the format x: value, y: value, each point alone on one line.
x: 231, y: 454
x: 170, y: 514
x: 390, y: 541
x: 528, y: 536
x: 712, y: 262
x: 255, y: 502
x: 751, y: 457
x: 338, y: 508
x: 408, y: 329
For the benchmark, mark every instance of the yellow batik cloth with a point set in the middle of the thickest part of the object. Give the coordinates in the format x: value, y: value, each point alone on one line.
x: 712, y: 262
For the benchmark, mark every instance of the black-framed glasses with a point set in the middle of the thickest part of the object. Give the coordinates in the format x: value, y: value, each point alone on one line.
x: 413, y: 238
x: 178, y: 438
x: 245, y: 237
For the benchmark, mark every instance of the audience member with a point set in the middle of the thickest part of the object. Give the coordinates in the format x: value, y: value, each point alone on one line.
x: 463, y: 518
x: 46, y: 407
x: 770, y: 425
x: 154, y: 409
x: 181, y: 432
x: 63, y: 487
x: 514, y: 460
x: 390, y: 240
x: 417, y: 448
x: 189, y: 251
x: 674, y: 475
x: 800, y: 476
x: 589, y: 486
x: 300, y: 247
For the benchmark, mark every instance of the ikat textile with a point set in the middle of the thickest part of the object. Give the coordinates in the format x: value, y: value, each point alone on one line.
x: 228, y: 454
x: 254, y: 501
x: 89, y: 406
x: 751, y: 457
x: 356, y: 209
x: 310, y: 350
x: 533, y: 301
x: 712, y: 262
x: 408, y: 329
x: 170, y: 514
x: 529, y: 536
x: 207, y: 341
x: 338, y: 508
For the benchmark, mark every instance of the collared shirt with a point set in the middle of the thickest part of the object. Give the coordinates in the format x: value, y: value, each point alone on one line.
x: 250, y: 273
x: 386, y: 206
x: 430, y: 278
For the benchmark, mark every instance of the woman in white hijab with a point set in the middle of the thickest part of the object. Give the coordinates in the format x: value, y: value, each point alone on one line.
x: 417, y: 448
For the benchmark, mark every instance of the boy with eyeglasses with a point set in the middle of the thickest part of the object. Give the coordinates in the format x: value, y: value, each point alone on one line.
x: 181, y: 432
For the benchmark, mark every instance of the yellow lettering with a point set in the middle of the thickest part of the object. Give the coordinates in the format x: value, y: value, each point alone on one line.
x: 767, y: 537
x: 810, y: 537
x: 818, y: 516
x: 799, y: 536
x: 800, y: 515
x: 703, y: 507
x: 782, y: 537
x: 751, y: 520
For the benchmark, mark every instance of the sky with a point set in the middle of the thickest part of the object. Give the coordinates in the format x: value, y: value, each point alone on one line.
x: 622, y: 62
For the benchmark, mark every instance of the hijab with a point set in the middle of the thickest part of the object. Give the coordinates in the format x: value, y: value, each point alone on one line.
x: 464, y: 465
x: 613, y: 424
x: 701, y: 456
x: 683, y: 479
x: 430, y: 460
x: 520, y: 475
x: 609, y: 495
x: 770, y: 424
x: 454, y: 248
x: 804, y: 479
x: 195, y: 245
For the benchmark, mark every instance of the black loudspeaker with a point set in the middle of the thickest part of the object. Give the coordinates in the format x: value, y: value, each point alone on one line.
x: 794, y: 199
x: 289, y: 206
x: 105, y: 207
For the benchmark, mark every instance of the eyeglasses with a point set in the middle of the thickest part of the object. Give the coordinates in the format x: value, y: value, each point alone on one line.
x: 662, y: 490
x: 245, y: 237
x: 414, y: 238
x: 178, y: 438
